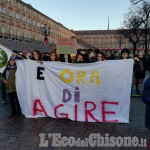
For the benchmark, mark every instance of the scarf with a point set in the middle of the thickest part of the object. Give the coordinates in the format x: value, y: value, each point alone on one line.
x: 7, y: 71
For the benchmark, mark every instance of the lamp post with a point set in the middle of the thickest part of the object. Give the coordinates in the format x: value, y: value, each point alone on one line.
x: 46, y: 32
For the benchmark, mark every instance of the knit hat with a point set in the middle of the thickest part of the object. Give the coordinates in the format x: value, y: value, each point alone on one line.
x: 12, y: 58
x: 125, y: 50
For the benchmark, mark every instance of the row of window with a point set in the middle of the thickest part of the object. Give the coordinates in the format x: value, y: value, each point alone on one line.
x: 99, y: 35
x: 18, y: 31
x: 11, y: 14
x: 28, y: 10
x: 25, y: 35
x: 29, y: 21
x: 106, y: 40
x: 112, y: 47
x: 36, y: 14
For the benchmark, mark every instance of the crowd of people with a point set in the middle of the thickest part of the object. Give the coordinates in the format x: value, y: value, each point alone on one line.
x: 8, y: 77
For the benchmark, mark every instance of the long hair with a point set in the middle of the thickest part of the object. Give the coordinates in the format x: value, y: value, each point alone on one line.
x: 38, y: 52
x: 103, y: 56
x: 51, y: 55
x: 78, y: 56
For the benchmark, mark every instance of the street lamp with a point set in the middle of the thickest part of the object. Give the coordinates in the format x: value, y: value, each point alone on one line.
x: 45, y: 32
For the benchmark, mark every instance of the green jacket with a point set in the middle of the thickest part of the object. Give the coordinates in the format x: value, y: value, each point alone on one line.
x: 10, y: 83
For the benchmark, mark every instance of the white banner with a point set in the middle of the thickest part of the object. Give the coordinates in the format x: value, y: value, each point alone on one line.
x: 94, y: 92
x: 5, y: 54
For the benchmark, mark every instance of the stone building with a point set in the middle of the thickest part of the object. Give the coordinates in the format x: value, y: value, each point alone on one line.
x: 109, y: 41
x: 21, y: 21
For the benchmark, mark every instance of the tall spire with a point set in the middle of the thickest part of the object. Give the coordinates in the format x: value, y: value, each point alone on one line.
x: 108, y: 22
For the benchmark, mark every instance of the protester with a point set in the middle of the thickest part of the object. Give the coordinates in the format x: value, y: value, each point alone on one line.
x: 138, y: 65
x: 63, y: 57
x: 45, y: 57
x: 53, y: 57
x: 9, y: 80
x: 139, y: 76
x: 79, y: 58
x: 73, y: 58
x: 146, y: 99
x: 14, y: 54
x: 100, y: 57
x: 112, y: 57
x: 125, y: 54
x: 36, y: 55
x: 86, y: 57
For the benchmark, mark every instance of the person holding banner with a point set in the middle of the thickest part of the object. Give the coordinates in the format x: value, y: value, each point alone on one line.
x: 36, y: 55
x: 9, y: 80
x: 53, y: 57
x: 139, y: 76
x: 15, y: 55
x: 100, y: 57
x: 138, y: 65
x: 79, y: 58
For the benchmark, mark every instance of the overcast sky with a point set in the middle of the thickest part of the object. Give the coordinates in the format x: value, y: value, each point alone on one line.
x: 84, y: 14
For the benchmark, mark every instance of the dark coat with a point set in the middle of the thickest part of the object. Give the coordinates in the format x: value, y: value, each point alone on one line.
x: 10, y: 83
x: 138, y: 66
x: 141, y: 74
x: 148, y: 64
x: 146, y: 99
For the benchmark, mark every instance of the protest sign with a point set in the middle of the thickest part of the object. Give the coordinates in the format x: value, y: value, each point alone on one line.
x: 66, y: 46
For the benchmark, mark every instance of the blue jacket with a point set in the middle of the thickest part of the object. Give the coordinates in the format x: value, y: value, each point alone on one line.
x: 146, y: 100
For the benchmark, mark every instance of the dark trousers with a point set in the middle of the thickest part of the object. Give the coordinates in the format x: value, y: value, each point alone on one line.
x: 139, y: 83
x: 3, y: 91
x: 16, y: 110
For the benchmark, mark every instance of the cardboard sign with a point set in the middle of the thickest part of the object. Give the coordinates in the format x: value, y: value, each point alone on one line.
x: 66, y: 46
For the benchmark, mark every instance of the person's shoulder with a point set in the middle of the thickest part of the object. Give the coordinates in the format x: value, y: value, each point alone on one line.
x: 147, y: 82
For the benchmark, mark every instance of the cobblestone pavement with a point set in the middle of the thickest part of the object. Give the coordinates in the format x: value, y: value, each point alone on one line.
x: 23, y: 133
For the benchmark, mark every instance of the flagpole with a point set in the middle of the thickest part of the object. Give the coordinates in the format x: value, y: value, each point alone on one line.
x: 18, y: 55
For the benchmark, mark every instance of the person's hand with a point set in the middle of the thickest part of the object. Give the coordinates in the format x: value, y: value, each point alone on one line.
x: 136, y: 59
x: 40, y: 61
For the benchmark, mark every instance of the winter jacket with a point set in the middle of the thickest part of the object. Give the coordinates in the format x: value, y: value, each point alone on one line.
x: 138, y: 66
x: 146, y: 99
x: 141, y: 74
x: 10, y: 83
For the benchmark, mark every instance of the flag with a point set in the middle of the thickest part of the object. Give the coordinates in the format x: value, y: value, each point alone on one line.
x: 5, y: 54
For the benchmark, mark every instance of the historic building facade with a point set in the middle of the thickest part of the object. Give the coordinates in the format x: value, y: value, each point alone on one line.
x: 107, y: 40
x: 21, y: 21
